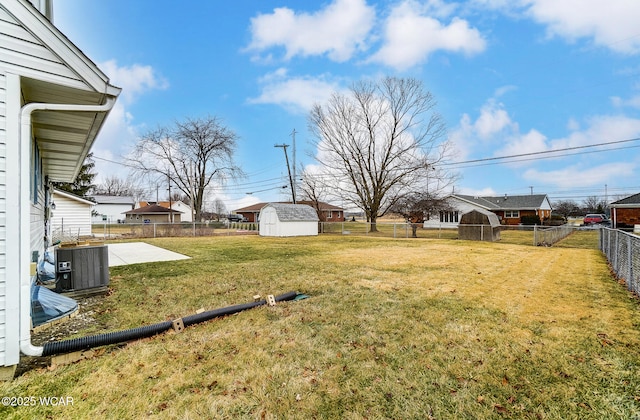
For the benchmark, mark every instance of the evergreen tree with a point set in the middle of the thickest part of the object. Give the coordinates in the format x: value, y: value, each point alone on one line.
x: 83, y: 184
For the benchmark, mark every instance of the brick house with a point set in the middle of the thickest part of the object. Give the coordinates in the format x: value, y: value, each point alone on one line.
x: 510, y: 209
x: 625, y: 213
x: 152, y: 213
x: 326, y: 212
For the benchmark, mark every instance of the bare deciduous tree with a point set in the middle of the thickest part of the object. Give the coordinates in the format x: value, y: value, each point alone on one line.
x: 219, y: 208
x: 414, y: 206
x: 594, y: 204
x: 567, y: 208
x: 190, y: 155
x: 313, y: 189
x: 378, y: 142
x: 113, y: 185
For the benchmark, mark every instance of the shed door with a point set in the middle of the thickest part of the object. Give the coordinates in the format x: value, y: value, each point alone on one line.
x: 271, y: 219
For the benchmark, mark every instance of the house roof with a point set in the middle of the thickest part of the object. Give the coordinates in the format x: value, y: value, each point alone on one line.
x: 293, y: 212
x: 632, y: 200
x: 255, y: 208
x: 64, y: 137
x: 151, y: 209
x: 113, y: 199
x: 506, y: 202
x: 163, y: 203
x: 73, y: 197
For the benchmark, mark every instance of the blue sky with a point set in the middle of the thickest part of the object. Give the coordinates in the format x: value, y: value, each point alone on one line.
x: 510, y: 77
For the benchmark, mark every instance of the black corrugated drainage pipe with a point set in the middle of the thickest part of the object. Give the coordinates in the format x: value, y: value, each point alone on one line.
x: 84, y: 343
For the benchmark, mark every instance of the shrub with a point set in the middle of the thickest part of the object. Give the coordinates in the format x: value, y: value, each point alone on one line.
x: 531, y: 220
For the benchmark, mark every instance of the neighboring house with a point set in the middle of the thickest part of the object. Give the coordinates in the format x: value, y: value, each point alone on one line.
x: 328, y: 212
x: 187, y: 213
x: 509, y: 208
x: 625, y: 213
x: 70, y: 216
x: 53, y: 102
x: 109, y: 208
x: 152, y: 213
x: 280, y: 219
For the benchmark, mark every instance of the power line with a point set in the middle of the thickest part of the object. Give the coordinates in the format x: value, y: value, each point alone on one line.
x: 543, y: 153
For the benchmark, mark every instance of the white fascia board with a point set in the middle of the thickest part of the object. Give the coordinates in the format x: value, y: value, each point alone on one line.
x: 73, y: 197
x: 625, y: 206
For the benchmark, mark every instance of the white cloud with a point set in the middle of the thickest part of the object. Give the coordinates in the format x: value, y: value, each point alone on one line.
x: 581, y: 176
x: 492, y: 120
x: 411, y: 34
x: 494, y: 133
x: 119, y: 132
x: 492, y: 126
x: 612, y: 23
x: 296, y: 94
x: 600, y: 129
x: 338, y: 30
x: 484, y: 192
x: 134, y: 80
x: 633, y: 102
x: 519, y: 144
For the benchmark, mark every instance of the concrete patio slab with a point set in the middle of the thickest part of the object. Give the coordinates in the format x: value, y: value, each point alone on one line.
x: 139, y: 252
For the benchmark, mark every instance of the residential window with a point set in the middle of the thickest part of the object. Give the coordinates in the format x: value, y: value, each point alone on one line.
x: 449, y: 217
x: 36, y: 173
x: 512, y: 214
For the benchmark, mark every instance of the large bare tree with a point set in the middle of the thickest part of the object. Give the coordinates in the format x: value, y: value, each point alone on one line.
x: 116, y: 186
x: 314, y: 190
x: 190, y: 155
x: 379, y: 142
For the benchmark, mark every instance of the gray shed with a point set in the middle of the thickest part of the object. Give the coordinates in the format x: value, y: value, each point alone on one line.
x: 279, y: 219
x: 478, y: 225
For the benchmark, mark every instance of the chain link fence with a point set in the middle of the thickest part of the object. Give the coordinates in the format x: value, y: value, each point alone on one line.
x: 547, y: 236
x: 161, y: 230
x: 622, y: 249
x: 70, y: 233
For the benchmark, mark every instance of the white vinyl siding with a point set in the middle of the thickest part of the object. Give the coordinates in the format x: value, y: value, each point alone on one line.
x: 113, y: 212
x: 36, y: 228
x: 24, y: 54
x: 3, y: 216
x: 70, y: 219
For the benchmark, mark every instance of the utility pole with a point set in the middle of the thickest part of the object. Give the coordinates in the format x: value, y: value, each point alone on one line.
x: 295, y: 180
x: 531, y: 190
x: 286, y: 156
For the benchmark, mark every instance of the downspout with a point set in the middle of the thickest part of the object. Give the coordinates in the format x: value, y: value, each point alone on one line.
x: 27, y: 110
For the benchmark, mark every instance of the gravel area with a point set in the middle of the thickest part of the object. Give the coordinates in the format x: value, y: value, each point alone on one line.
x: 85, y: 317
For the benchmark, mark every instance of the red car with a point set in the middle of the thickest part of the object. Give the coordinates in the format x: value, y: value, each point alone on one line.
x: 592, y: 219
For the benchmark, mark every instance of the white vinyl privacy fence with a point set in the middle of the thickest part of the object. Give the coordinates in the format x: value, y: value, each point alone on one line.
x: 623, y: 252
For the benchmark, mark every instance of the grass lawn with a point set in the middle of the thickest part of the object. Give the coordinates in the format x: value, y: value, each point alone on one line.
x: 405, y: 328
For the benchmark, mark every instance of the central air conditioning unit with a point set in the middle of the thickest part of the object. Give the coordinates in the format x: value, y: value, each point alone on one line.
x: 81, y: 268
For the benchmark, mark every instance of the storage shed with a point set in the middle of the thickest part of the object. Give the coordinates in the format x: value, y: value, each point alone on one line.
x: 71, y: 217
x: 479, y: 225
x: 279, y: 219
